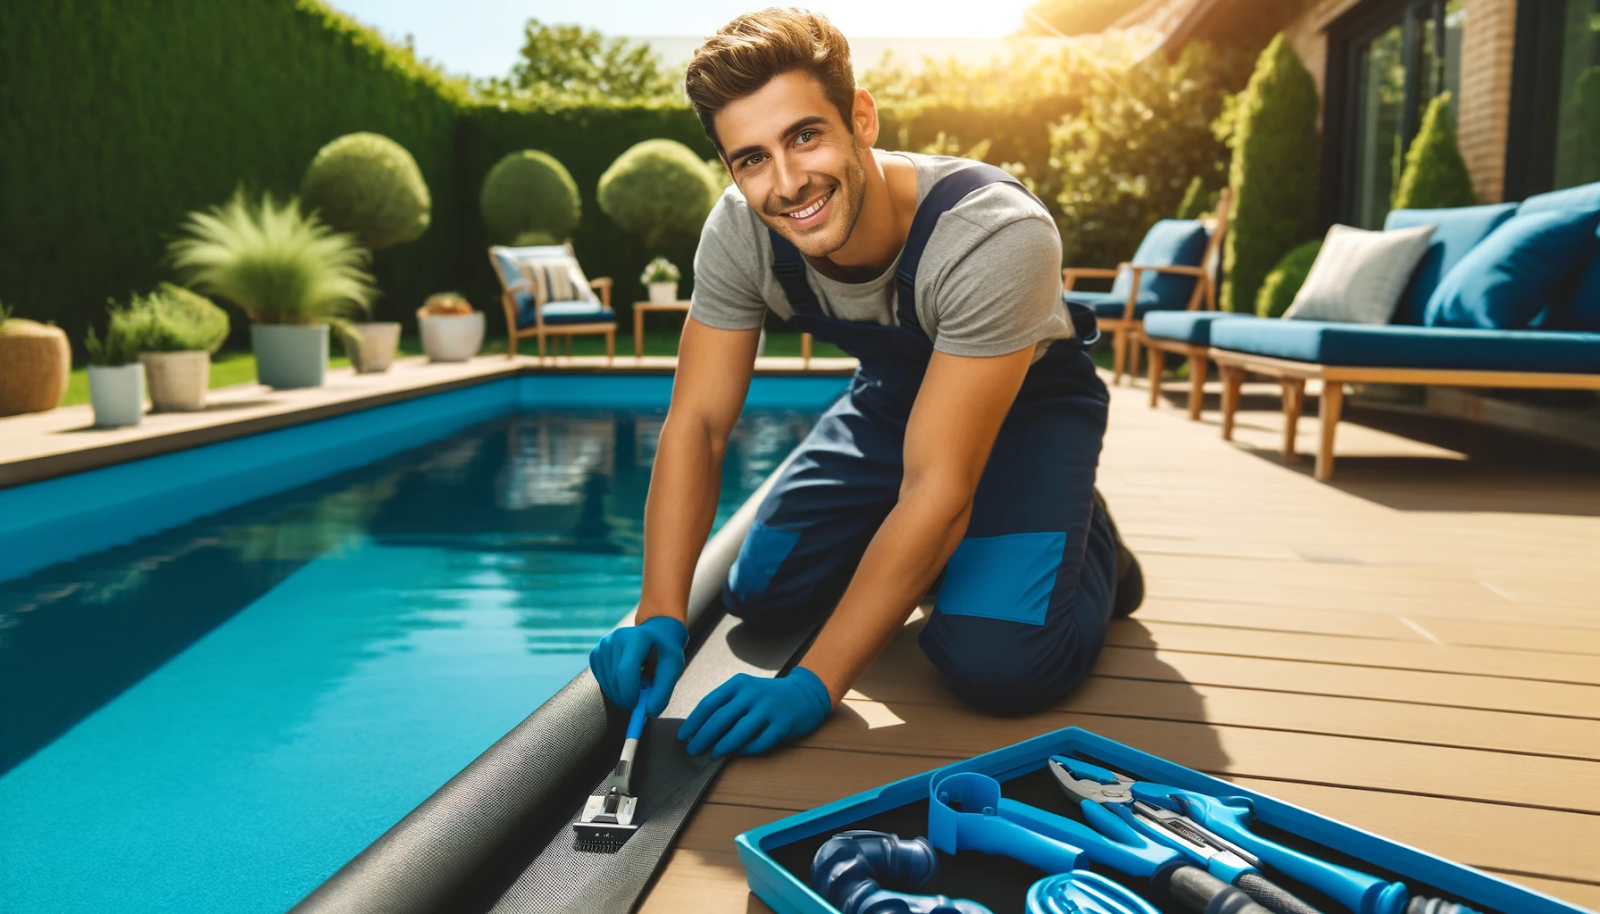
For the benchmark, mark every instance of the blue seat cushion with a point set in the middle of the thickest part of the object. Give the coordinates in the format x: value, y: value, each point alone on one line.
x: 1395, y: 346
x: 557, y: 313
x: 1504, y: 282
x: 1582, y: 311
x: 1169, y: 243
x: 1456, y: 231
x: 1113, y: 305
x: 1584, y: 197
x: 1188, y: 326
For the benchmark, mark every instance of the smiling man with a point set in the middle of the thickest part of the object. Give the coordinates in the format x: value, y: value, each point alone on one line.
x: 962, y: 459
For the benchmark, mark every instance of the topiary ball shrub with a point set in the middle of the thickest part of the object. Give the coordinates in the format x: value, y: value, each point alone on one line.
x: 659, y: 189
x: 529, y: 193
x: 1284, y: 282
x: 369, y: 186
x: 1274, y: 172
x: 1435, y: 175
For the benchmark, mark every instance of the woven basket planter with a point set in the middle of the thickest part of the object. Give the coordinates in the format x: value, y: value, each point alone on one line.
x: 37, y: 360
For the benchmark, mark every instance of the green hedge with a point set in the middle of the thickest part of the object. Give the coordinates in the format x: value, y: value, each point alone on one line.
x: 119, y: 119
x: 1435, y: 177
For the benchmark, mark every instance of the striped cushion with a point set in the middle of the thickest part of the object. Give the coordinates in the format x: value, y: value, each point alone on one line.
x: 548, y: 273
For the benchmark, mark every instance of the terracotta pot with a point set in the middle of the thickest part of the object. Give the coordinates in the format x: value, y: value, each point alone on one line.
x: 455, y: 338
x: 37, y: 361
x: 117, y: 393
x: 178, y: 380
x: 371, y: 346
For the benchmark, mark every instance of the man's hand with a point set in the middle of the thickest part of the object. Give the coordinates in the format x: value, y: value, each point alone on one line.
x: 618, y: 661
x: 749, y: 715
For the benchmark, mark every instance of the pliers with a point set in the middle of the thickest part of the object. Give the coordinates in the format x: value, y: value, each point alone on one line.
x: 1214, y: 832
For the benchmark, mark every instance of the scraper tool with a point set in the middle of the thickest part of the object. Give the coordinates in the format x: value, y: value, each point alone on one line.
x: 607, y: 820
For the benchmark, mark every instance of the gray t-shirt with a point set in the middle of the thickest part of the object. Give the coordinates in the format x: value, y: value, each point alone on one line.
x: 989, y: 283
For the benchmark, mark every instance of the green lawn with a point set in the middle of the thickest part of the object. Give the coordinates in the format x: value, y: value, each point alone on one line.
x: 239, y: 367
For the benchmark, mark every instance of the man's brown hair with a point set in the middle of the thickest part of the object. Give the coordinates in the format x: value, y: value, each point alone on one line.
x: 750, y: 51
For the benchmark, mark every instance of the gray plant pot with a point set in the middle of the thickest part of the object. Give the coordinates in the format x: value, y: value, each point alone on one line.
x: 373, y: 345
x: 117, y: 394
x: 452, y: 338
x: 290, y: 355
x: 178, y: 380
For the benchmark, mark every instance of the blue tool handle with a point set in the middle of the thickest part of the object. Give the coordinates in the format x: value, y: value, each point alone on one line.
x: 636, y: 722
x: 1133, y: 855
x: 990, y: 834
x: 1357, y: 891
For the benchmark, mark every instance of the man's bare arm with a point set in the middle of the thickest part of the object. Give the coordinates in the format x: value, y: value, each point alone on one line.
x: 953, y: 425
x: 713, y: 376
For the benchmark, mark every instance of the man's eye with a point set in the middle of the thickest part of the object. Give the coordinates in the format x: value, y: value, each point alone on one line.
x: 750, y: 160
x: 805, y: 136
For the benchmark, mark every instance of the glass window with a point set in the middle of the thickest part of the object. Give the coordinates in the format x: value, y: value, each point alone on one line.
x: 1578, y: 109
x: 1380, y: 102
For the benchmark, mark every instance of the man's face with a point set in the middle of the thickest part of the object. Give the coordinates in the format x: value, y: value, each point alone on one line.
x: 797, y: 165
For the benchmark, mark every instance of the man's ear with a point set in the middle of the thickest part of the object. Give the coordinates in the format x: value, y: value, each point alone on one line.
x: 865, y: 119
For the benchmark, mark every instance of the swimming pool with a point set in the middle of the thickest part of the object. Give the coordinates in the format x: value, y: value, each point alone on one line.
x: 215, y: 717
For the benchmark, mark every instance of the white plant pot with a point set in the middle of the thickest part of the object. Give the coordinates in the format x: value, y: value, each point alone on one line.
x: 373, y: 345
x: 663, y: 293
x: 453, y: 338
x: 178, y: 380
x: 290, y: 355
x: 117, y: 392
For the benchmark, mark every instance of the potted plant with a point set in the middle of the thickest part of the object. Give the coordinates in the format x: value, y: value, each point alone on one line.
x: 371, y: 345
x: 451, y: 330
x: 661, y: 278
x: 289, y: 272
x: 116, y: 379
x: 183, y: 329
x: 37, y: 363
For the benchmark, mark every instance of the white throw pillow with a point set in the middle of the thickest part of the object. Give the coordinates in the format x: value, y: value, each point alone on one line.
x: 1358, y: 276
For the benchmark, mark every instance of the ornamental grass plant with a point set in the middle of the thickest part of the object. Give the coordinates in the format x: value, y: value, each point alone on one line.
x: 181, y: 320
x: 278, y: 264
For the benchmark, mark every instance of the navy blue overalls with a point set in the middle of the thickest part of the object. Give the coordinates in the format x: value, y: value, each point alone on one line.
x: 1023, y: 604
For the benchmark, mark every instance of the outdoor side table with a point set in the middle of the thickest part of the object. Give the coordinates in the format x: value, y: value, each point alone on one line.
x: 641, y: 308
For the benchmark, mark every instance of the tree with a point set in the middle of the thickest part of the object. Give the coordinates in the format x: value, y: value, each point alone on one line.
x: 1274, y: 172
x: 570, y: 62
x: 1435, y: 176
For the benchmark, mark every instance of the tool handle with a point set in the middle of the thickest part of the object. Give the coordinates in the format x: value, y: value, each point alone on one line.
x: 1203, y: 893
x: 636, y: 722
x: 1361, y: 893
x: 1272, y: 896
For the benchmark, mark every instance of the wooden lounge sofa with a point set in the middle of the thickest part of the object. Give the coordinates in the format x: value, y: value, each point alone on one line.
x: 1296, y: 351
x: 1174, y: 269
x: 582, y: 308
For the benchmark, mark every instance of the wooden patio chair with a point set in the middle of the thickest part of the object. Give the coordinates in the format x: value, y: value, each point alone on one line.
x: 1174, y: 250
x: 545, y: 294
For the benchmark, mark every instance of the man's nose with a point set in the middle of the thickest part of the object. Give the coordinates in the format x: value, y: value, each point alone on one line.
x: 791, y: 179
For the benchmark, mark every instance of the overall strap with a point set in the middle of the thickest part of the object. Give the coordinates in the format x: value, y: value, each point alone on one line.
x: 789, y: 268
x: 950, y: 190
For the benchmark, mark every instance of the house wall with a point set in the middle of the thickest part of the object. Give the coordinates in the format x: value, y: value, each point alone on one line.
x: 1485, y: 103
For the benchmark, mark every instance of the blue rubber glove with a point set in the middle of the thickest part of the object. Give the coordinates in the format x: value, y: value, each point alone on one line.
x: 750, y: 715
x: 618, y: 661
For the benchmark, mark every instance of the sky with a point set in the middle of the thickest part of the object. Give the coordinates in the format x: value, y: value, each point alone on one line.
x: 482, y: 37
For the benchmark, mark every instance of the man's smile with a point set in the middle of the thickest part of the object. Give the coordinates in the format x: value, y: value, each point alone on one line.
x: 812, y: 213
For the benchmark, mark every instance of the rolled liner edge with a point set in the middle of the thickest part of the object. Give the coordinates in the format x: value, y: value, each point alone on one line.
x: 428, y: 859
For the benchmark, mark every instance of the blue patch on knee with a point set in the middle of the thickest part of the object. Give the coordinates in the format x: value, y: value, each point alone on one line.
x: 763, y: 551
x: 1003, y: 577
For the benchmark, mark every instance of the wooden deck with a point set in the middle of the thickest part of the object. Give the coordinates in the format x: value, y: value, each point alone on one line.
x: 1413, y: 649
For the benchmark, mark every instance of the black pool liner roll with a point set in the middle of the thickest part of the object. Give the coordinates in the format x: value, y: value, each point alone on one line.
x: 498, y: 837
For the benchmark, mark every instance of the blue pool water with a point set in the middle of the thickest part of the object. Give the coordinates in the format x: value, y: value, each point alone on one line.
x: 216, y: 717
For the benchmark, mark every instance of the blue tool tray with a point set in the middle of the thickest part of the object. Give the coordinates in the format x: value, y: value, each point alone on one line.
x: 777, y: 857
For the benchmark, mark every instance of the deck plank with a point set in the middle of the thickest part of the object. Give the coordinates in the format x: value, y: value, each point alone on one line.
x: 1410, y: 650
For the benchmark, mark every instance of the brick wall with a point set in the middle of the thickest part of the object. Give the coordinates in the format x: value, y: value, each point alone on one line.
x: 1485, y: 103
